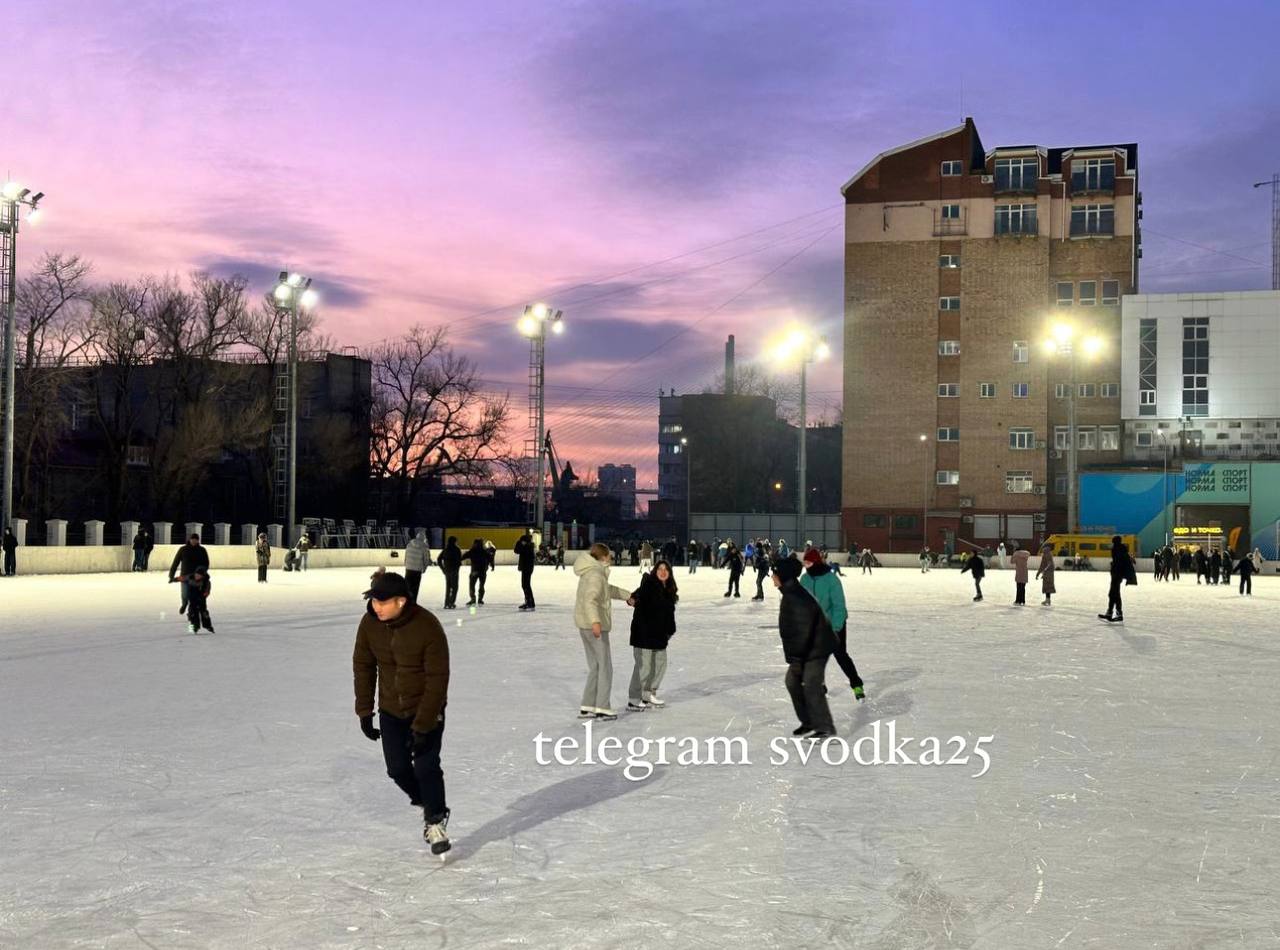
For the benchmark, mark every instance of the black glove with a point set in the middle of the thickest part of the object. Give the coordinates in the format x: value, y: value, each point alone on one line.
x: 366, y: 726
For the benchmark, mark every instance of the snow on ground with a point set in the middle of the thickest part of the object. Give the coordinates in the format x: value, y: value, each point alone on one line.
x: 169, y: 791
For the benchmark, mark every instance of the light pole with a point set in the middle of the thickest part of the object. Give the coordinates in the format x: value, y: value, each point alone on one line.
x: 13, y: 197
x: 1061, y: 343
x: 292, y: 292
x: 805, y: 347
x: 928, y: 483
x: 688, y: 490
x: 1164, y: 485
x: 533, y: 324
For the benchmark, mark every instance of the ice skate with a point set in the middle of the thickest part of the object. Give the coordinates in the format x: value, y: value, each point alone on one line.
x: 587, y: 712
x: 436, y: 835
x: 192, y: 628
x: 802, y: 730
x: 653, y: 700
x: 606, y: 715
x: 637, y: 707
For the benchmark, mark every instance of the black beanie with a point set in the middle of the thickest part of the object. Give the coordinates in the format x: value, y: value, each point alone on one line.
x: 787, y: 568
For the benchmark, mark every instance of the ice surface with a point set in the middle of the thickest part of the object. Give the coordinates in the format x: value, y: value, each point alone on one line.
x: 169, y: 791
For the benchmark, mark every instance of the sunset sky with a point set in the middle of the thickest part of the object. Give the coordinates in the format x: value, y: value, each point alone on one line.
x: 666, y: 173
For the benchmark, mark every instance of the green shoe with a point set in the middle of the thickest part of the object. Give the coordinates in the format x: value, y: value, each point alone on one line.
x: 858, y: 694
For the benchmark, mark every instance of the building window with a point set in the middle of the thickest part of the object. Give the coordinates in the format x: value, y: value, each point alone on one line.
x: 1059, y: 484
x: 1093, y: 219
x: 1109, y: 438
x: 1195, y: 366
x: 873, y: 521
x: 1021, y: 351
x: 1018, y: 483
x: 1016, y: 219
x: 948, y: 390
x: 952, y: 169
x: 1087, y: 439
x: 949, y: 434
x: 950, y: 212
x: 1093, y: 174
x: 1061, y: 390
x: 1061, y: 438
x: 1109, y: 391
x: 1147, y: 367
x: 1086, y: 390
x: 138, y: 455
x: 948, y: 303
x: 1021, y: 390
x: 986, y: 390
x: 1110, y: 293
x: 947, y: 477
x: 1088, y: 293
x: 672, y: 427
x: 1022, y: 439
x: 1017, y: 174
x: 1142, y: 440
x: 949, y: 261
x: 308, y: 406
x: 904, y: 522
x: 1065, y: 293
x: 948, y: 347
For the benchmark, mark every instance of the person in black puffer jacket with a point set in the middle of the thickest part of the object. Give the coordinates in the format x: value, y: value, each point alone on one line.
x: 1122, y: 572
x: 652, y: 626
x: 807, y: 644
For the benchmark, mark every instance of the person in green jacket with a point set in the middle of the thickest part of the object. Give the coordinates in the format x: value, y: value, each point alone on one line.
x: 827, y: 590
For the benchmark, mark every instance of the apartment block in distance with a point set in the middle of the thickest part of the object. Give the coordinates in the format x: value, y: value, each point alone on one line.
x: 959, y: 263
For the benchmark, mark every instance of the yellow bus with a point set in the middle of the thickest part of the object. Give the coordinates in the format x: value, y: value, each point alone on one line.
x: 1089, y: 545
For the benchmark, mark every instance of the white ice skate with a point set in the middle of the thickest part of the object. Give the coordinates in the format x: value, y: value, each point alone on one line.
x: 437, y: 836
x: 653, y: 700
x: 587, y: 712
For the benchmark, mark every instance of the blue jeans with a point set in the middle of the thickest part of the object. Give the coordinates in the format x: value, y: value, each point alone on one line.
x: 419, y: 776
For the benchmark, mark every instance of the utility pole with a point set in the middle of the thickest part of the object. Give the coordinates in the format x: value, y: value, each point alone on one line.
x: 534, y: 323
x: 1274, y: 182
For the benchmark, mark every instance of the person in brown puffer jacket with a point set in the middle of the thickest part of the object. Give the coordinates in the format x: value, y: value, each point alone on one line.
x: 402, y: 650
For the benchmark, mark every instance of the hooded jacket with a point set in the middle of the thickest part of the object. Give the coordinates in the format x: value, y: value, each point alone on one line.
x: 450, y: 559
x: 408, y: 660
x: 478, y: 557
x: 1020, y: 558
x: 804, y: 630
x: 976, y: 565
x: 828, y: 592
x: 415, y: 553
x: 525, y: 553
x: 654, y: 622
x: 592, y: 605
x: 1122, y: 564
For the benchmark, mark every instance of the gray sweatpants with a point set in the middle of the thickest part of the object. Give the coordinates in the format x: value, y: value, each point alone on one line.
x: 599, y: 670
x: 646, y: 676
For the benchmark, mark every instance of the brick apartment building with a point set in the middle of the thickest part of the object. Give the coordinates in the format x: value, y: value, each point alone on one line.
x: 959, y: 262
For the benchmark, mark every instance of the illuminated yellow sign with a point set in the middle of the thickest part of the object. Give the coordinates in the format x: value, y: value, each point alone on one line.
x: 1191, y: 530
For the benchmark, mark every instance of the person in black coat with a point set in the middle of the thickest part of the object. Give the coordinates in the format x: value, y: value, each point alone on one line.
x: 763, y: 566
x: 139, y: 551
x: 807, y: 644
x: 188, y: 557
x: 652, y: 626
x: 1202, y: 565
x: 450, y: 561
x: 1246, y: 569
x: 525, y: 557
x: 976, y: 566
x: 479, y: 559
x: 1122, y: 572
x: 733, y: 560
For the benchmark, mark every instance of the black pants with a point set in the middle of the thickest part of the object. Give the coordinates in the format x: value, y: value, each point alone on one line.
x: 1113, y: 598
x: 137, y: 560
x: 419, y: 776
x: 414, y: 580
x: 262, y: 573
x: 10, y: 563
x: 450, y: 588
x: 735, y: 579
x: 476, y: 579
x: 526, y: 584
x: 844, y: 661
x: 809, y: 694
x: 1021, y: 596
x: 1246, y: 584
x: 198, y: 612
x: 760, y: 576
x: 977, y: 586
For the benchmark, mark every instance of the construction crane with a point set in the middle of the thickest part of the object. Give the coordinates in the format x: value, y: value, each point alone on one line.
x: 1274, y: 182
x: 562, y: 479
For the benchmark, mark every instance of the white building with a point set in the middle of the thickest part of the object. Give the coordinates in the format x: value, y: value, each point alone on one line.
x: 1200, y: 375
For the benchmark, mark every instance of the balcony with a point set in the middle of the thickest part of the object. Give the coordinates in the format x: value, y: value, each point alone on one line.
x: 1015, y: 184
x: 948, y: 226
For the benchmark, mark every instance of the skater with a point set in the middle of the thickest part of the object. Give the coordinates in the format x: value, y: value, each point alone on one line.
x: 139, y: 551
x: 1122, y: 572
x: 1045, y: 575
x: 1019, y: 559
x: 1202, y: 568
x: 924, y: 560
x: 646, y: 556
x: 401, y: 650
x: 490, y: 549
x: 1227, y: 567
x: 593, y: 614
x: 762, y: 571
x: 148, y: 546
x: 10, y: 553
x: 652, y: 626
x: 1256, y: 557
x: 807, y: 644
x: 291, y: 560
x: 559, y: 555
x: 304, y: 548
x: 188, y: 557
x: 525, y: 557
x: 1246, y: 571
x: 733, y: 558
x: 198, y: 587
x: 694, y: 556
x: 416, y: 556
x: 479, y: 559
x: 821, y: 581
x: 976, y: 566
x: 1215, y: 568
x: 450, y: 561
x: 262, y: 551
x: 1002, y: 553
x: 866, y: 559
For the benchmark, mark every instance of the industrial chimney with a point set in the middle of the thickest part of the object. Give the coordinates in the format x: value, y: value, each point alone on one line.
x: 728, y: 366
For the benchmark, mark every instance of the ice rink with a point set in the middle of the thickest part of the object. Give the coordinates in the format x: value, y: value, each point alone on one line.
x: 164, y: 790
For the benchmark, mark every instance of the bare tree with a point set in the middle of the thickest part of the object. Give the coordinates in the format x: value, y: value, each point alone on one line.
x: 751, y: 380
x: 265, y: 330
x: 429, y: 416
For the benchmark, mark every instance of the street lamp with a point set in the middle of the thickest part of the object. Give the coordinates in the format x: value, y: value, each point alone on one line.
x: 803, y: 346
x: 292, y: 293
x: 13, y: 198
x: 533, y: 324
x: 688, y: 490
x: 1164, y: 484
x: 928, y: 484
x: 1061, y: 342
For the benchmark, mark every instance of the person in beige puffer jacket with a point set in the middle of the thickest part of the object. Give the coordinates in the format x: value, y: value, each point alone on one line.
x: 593, y: 613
